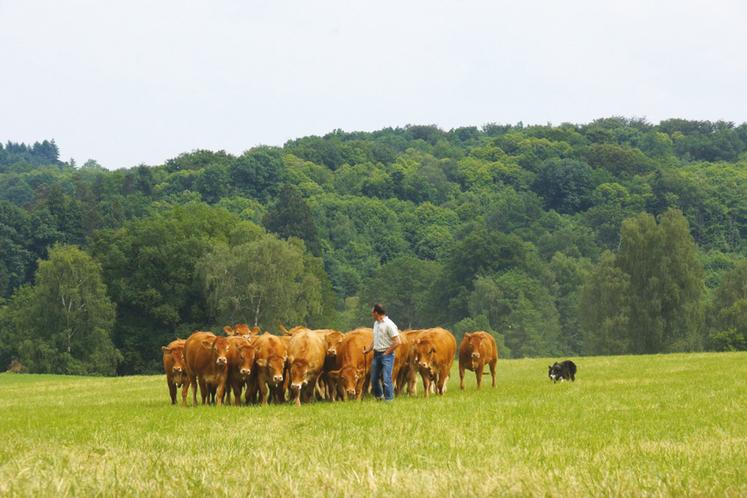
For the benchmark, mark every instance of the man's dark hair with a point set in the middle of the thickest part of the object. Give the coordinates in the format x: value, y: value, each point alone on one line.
x: 379, y: 309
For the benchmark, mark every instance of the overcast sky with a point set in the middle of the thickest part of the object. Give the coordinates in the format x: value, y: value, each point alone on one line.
x: 135, y: 81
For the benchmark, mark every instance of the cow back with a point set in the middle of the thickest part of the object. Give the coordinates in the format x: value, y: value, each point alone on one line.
x: 308, y: 346
x: 197, y: 358
x: 350, y: 349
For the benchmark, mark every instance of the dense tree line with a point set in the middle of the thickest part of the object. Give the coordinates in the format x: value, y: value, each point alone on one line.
x: 616, y: 236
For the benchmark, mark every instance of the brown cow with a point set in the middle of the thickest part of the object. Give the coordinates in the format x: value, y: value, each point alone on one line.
x: 475, y: 350
x: 434, y: 354
x: 351, y: 375
x: 241, y: 353
x: 332, y: 339
x: 206, y: 362
x: 404, y: 363
x: 269, y: 367
x: 173, y: 365
x: 306, y: 355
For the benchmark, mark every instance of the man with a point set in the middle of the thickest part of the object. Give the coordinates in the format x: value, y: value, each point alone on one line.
x: 385, y: 342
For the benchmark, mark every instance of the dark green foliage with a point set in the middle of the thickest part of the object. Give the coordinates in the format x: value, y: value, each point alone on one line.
x: 290, y: 216
x: 149, y: 265
x: 647, y: 298
x: 565, y: 185
x: 62, y: 324
x: 728, y: 311
x: 256, y: 173
x: 405, y: 284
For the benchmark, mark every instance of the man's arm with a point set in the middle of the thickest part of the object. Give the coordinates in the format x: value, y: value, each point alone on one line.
x: 395, y: 344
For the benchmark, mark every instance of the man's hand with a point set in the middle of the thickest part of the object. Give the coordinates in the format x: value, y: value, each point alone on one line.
x: 366, y: 349
x: 395, y: 343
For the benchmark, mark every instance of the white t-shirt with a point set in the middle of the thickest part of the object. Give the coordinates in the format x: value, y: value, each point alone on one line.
x: 384, y: 331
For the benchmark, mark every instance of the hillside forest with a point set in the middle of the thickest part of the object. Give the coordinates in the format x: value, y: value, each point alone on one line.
x: 614, y: 237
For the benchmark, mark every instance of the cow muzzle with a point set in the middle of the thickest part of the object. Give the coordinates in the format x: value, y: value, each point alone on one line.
x: 476, y: 356
x: 296, y: 386
x: 277, y: 379
x: 245, y: 371
x: 221, y: 360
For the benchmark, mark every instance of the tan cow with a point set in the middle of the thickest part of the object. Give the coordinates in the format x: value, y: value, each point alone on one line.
x: 269, y: 367
x: 332, y: 339
x: 207, y: 363
x: 351, y: 375
x: 173, y: 366
x: 475, y: 351
x: 241, y: 353
x: 404, y: 362
x: 306, y: 354
x: 434, y: 354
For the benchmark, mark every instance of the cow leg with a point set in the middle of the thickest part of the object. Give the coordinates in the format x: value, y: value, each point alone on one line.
x: 172, y: 391
x: 443, y: 377
x: 359, y: 389
x: 204, y: 393
x: 185, y: 391
x: 461, y: 376
x: 426, y: 384
x: 193, y: 383
x: 478, y: 373
x: 263, y: 395
x: 492, y: 370
x: 412, y: 383
x: 237, y: 393
x: 221, y: 391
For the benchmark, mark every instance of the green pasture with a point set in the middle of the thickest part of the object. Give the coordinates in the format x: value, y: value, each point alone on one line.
x: 669, y: 425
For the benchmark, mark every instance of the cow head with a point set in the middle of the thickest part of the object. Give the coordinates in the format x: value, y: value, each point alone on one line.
x: 247, y: 353
x: 219, y: 346
x: 333, y: 342
x: 473, y: 347
x: 299, y: 369
x: 178, y: 370
x: 274, y: 366
x: 424, y: 356
x: 348, y: 378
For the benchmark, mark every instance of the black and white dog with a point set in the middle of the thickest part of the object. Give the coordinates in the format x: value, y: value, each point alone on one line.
x: 565, y: 370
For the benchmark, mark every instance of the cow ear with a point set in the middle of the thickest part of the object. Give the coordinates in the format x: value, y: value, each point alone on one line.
x: 207, y: 344
x: 164, y: 348
x: 334, y: 374
x: 359, y: 373
x: 467, y: 334
x: 417, y: 341
x: 433, y: 350
x: 228, y: 330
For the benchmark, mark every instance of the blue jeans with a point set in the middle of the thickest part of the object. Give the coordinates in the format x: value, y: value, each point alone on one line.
x: 381, y: 366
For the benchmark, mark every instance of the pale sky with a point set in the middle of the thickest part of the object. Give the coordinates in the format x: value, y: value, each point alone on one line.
x: 135, y: 81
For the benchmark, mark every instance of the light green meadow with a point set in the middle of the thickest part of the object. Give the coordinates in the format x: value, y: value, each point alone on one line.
x: 671, y: 425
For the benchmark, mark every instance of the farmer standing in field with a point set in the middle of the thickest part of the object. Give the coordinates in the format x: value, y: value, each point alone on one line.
x: 385, y: 342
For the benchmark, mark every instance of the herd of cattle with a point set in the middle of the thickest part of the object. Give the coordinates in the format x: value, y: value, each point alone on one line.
x: 303, y: 364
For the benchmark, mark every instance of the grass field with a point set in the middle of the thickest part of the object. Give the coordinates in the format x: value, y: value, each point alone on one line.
x: 673, y: 425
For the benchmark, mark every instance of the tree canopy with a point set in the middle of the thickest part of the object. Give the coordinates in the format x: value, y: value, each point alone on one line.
x: 614, y: 236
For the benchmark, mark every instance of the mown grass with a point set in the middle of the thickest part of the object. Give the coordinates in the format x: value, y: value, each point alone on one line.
x: 673, y: 425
